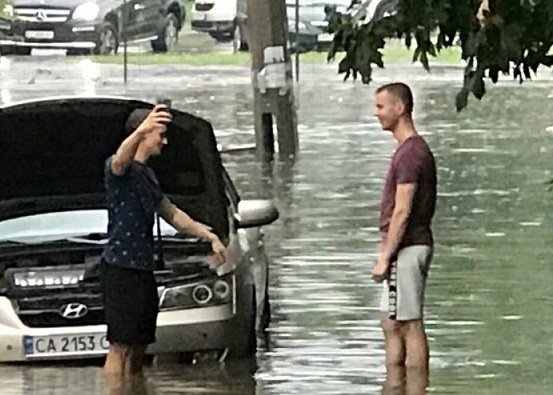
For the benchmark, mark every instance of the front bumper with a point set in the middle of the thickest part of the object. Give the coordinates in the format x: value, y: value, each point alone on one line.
x: 195, y: 329
x: 205, y: 26
x: 68, y: 35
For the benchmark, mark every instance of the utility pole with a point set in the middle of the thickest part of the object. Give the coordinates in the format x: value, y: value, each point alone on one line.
x: 272, y: 78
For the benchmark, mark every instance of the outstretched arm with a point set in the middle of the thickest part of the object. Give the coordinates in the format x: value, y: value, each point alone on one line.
x: 183, y: 223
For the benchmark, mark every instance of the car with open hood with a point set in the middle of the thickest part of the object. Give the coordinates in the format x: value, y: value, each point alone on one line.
x: 82, y: 26
x: 53, y: 223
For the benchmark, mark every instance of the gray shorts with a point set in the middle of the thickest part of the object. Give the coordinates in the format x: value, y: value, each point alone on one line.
x: 403, y: 293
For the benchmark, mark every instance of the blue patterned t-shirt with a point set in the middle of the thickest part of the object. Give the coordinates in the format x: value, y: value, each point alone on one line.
x: 132, y: 200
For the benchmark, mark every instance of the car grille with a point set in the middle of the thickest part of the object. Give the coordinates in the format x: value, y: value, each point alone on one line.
x: 52, y: 320
x: 45, y: 311
x: 50, y: 15
x: 204, y: 6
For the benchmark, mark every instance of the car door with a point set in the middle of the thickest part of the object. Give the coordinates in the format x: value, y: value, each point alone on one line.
x: 130, y: 20
x: 138, y: 13
x: 151, y: 16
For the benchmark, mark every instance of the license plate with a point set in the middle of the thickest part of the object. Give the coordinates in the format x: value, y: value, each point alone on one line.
x: 325, y: 37
x: 65, y: 344
x: 39, y: 34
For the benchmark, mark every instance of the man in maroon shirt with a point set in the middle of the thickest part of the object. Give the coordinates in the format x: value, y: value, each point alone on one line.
x: 408, y: 203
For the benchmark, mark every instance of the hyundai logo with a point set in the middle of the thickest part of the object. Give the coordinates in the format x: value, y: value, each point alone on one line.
x: 73, y: 311
x: 41, y: 15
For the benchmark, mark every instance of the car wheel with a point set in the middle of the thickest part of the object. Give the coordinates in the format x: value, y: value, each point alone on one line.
x: 107, y: 42
x: 244, y: 337
x: 167, y: 40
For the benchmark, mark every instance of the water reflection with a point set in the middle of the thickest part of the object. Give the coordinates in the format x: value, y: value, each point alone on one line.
x: 236, y: 378
x: 121, y: 385
x: 405, y: 381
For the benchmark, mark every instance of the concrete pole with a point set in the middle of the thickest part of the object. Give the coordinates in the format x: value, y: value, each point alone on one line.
x: 272, y: 78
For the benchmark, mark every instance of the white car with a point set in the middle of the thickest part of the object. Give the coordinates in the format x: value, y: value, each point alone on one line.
x: 220, y: 19
x: 53, y: 225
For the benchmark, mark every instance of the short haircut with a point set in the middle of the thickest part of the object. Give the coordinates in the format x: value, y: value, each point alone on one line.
x: 135, y: 119
x: 400, y: 91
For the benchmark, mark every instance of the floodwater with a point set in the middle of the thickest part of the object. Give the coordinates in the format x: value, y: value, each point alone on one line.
x: 489, y: 297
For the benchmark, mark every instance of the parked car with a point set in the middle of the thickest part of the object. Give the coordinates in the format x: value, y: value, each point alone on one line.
x: 82, y: 26
x: 312, y: 28
x: 53, y: 223
x: 315, y: 16
x: 220, y: 19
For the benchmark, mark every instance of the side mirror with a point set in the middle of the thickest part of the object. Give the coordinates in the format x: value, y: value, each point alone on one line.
x: 253, y: 213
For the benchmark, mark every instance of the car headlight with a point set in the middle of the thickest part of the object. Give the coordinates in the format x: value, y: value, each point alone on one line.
x: 206, y: 293
x: 7, y: 10
x: 86, y: 12
x: 202, y: 294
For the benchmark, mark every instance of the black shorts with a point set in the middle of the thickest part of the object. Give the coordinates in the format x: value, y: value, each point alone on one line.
x: 130, y: 305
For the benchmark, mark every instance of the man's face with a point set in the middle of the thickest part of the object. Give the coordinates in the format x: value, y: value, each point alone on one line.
x: 155, y: 140
x: 388, y: 109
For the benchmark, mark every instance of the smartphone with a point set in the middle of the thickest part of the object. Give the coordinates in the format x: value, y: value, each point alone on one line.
x: 165, y: 101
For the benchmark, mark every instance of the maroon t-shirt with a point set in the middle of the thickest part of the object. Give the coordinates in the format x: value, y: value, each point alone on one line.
x: 412, y: 163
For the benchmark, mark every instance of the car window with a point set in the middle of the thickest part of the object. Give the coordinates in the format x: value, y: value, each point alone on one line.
x: 60, y: 225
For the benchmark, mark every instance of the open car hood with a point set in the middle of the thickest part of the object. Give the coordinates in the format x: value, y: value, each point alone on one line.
x: 54, y: 150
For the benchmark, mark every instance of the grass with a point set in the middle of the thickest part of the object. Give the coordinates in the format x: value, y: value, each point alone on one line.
x: 393, y: 54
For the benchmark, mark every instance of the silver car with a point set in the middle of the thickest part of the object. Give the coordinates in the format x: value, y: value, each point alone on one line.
x: 53, y: 228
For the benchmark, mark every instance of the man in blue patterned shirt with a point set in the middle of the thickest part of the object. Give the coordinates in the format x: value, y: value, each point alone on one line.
x: 133, y: 198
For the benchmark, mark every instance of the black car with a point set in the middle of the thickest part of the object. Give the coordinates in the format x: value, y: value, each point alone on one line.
x: 82, y: 26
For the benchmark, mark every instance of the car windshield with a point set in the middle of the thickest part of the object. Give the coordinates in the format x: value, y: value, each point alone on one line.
x: 82, y: 226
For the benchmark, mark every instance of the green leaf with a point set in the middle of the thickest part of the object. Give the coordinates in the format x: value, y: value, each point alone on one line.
x: 424, y: 61
x: 344, y: 65
x: 416, y: 54
x: 461, y: 100
x: 478, y: 87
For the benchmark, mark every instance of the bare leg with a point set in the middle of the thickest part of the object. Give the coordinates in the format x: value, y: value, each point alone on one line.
x: 394, y: 343
x: 417, y: 359
x: 416, y: 382
x: 395, y: 380
x: 416, y: 344
x: 115, y: 360
x: 135, y: 360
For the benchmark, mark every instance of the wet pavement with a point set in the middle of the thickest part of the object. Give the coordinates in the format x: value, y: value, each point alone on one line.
x: 489, y: 297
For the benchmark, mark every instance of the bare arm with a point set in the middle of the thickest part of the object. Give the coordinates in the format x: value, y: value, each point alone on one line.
x: 183, y: 223
x: 158, y: 118
x: 398, y: 224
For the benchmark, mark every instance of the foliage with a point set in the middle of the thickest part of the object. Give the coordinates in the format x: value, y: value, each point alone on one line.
x: 512, y: 37
x: 2, y: 6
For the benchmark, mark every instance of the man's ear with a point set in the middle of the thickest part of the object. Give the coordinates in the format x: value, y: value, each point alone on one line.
x: 399, y: 107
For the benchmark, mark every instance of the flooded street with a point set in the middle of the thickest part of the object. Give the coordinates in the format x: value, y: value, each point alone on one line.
x: 489, y: 298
